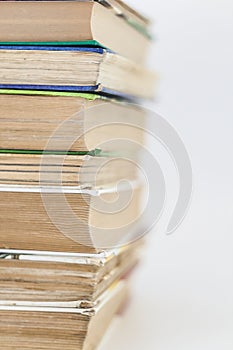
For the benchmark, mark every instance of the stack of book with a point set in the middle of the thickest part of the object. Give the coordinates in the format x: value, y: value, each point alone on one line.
x: 70, y: 72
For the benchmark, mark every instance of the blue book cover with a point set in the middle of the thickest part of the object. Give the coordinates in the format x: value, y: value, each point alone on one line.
x: 95, y: 88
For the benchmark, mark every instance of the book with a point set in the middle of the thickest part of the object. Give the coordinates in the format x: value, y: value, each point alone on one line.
x: 64, y: 170
x: 82, y: 69
x: 58, y: 280
x: 69, y: 219
x: 110, y: 23
x: 48, y: 328
x: 71, y: 122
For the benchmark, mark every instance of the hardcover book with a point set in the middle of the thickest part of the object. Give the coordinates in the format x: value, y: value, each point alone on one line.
x: 111, y: 24
x: 82, y: 69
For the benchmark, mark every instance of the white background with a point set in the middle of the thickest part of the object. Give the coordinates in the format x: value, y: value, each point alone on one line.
x: 183, y: 291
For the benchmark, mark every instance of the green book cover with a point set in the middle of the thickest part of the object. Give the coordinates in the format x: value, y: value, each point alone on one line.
x: 53, y: 43
x: 93, y: 153
x: 87, y: 96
